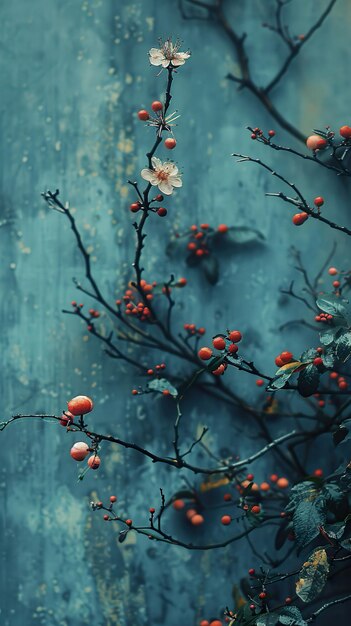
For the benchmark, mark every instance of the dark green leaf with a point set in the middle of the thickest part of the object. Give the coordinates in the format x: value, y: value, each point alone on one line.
x: 282, y: 376
x: 332, y: 304
x: 210, y: 268
x: 162, y: 384
x: 308, y: 381
x: 313, y: 575
x: 335, y: 531
x: 291, y: 616
x: 327, y: 336
x: 307, y: 519
x: 267, y: 619
x: 343, y: 347
x: 328, y: 357
x: 122, y: 536
x: 340, y: 434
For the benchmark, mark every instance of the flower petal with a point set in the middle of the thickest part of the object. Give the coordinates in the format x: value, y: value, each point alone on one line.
x: 156, y: 163
x: 170, y: 168
x: 149, y: 175
x: 176, y: 181
x: 166, y: 62
x: 165, y: 187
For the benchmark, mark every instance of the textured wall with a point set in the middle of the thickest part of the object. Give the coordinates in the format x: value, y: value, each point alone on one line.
x: 73, y: 75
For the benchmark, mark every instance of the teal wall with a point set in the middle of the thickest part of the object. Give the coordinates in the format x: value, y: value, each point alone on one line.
x: 73, y: 74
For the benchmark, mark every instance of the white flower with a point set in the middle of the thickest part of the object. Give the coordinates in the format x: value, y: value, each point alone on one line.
x: 168, y: 53
x: 163, y: 175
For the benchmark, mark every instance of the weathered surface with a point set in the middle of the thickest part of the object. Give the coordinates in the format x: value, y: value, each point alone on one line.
x: 73, y: 75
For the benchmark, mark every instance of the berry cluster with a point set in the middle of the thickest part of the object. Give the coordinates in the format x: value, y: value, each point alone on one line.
x: 156, y: 370
x: 199, y: 243
x: 160, y: 121
x: 79, y: 406
x: 191, y: 329
x: 340, y: 380
x: 325, y: 318
x: 283, y: 358
x: 134, y: 306
x: 257, y: 133
x: 320, y: 139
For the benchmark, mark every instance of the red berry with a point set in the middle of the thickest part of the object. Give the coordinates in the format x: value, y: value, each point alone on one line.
x: 259, y: 382
x: 216, y: 622
x: 190, y: 513
x: 191, y: 246
x: 205, y: 353
x: 152, y: 510
x: 134, y: 392
x: 106, y: 518
x: 316, y: 142
x: 336, y: 283
x: 135, y: 207
x: 227, y: 497
x: 178, y: 505
x: 318, y: 361
x: 150, y: 372
x: 250, y: 477
x: 273, y: 478
x: 345, y: 131
x: 218, y: 343
x: 159, y: 197
x: 321, y: 403
x: 79, y: 451
x: 319, y: 201
x: 318, y: 472
x: 129, y: 522
x: 222, y: 228
x: 143, y: 115
x: 113, y: 499
x: 288, y: 600
x: 332, y: 271
x: 333, y: 375
x: 271, y: 133
x: 262, y: 595
x: 157, y: 105
x: 162, y: 212
x: 255, y: 509
x: 235, y: 336
x: 80, y: 405
x: 299, y: 218
x: 226, y: 520
x: 233, y: 348
x: 94, y: 462
x: 286, y: 356
x: 343, y: 385
x: 251, y: 571
x: 182, y: 282
x: 282, y: 483
x: 204, y: 622
x: 278, y: 361
x: 170, y: 143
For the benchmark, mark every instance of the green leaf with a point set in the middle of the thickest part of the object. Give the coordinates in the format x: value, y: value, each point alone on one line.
x: 282, y: 376
x: 307, y: 519
x: 328, y: 335
x: 313, y: 575
x: 162, y: 384
x: 291, y: 616
x: 335, y: 531
x: 210, y: 268
x: 332, y: 304
x: 328, y: 357
x: 308, y: 381
x: 340, y: 434
x: 343, y: 347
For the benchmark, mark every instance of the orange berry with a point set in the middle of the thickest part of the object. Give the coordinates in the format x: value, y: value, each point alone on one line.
x: 143, y: 115
x: 332, y: 271
x: 299, y: 218
x: 204, y: 622
x: 190, y: 513
x: 273, y: 478
x: 282, y: 483
x: 178, y: 505
x: 255, y: 509
x: 197, y: 520
x: 226, y: 520
x: 265, y: 487
x: 205, y: 353
x: 66, y: 419
x: 157, y: 105
x: 79, y: 451
x: 316, y: 142
x: 170, y: 143
x: 182, y: 282
x: 227, y: 497
x: 235, y: 336
x: 80, y: 405
x: 216, y: 622
x: 113, y: 499
x: 222, y: 228
x: 94, y: 461
x: 345, y: 131
x: 219, y: 343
